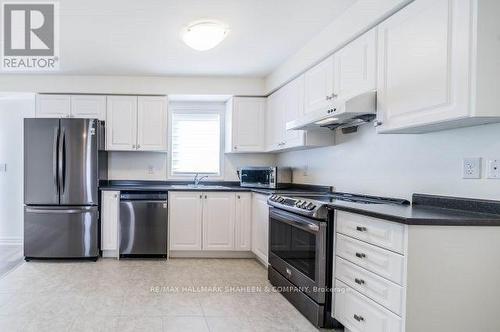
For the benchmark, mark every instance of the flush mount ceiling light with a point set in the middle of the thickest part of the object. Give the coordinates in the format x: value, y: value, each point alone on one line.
x: 204, y: 35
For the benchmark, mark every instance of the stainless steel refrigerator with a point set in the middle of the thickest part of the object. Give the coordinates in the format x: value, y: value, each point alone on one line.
x: 62, y: 167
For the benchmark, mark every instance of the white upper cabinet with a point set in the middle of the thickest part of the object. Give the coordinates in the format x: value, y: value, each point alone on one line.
x: 245, y: 124
x: 438, y: 66
x: 53, y: 106
x: 121, y: 126
x: 136, y: 123
x: 243, y: 222
x: 184, y: 220
x: 355, y: 66
x: 88, y: 107
x: 318, y: 82
x: 152, y: 123
x: 71, y: 106
x: 285, y: 105
x: 218, y: 221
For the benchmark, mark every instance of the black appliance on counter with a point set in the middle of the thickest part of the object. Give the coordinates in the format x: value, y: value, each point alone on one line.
x: 301, y: 250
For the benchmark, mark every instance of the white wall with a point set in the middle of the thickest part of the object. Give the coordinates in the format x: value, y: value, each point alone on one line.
x: 136, y: 165
x: 357, y: 19
x: 13, y: 108
x: 399, y: 165
x: 133, y: 84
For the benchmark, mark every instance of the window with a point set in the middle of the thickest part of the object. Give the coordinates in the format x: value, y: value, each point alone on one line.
x: 196, y: 140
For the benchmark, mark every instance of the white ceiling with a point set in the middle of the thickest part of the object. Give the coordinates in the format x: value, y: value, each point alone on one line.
x: 141, y: 37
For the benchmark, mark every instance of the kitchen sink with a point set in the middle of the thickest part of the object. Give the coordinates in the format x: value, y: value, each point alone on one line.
x: 198, y: 187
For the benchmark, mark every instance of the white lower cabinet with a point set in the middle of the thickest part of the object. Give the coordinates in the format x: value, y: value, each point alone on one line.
x: 260, y: 227
x: 110, y: 209
x: 184, y: 221
x: 218, y: 221
x: 243, y: 222
x: 209, y: 221
x: 370, y: 277
x: 360, y: 314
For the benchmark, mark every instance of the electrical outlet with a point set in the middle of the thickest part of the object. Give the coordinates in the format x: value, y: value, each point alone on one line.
x: 494, y: 169
x: 151, y: 169
x: 471, y: 168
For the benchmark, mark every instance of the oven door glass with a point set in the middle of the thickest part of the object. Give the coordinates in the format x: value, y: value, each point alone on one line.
x: 295, y: 243
x: 254, y: 176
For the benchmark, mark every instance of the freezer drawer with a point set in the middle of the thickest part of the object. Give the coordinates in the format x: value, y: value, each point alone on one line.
x: 60, y: 232
x: 143, y: 227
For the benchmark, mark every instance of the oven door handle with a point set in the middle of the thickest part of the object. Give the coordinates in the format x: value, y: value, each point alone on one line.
x: 294, y: 220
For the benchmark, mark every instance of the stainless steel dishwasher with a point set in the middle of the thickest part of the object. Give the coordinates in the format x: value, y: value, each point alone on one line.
x: 143, y: 224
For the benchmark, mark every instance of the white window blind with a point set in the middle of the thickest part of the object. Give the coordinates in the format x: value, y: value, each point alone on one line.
x: 196, y: 143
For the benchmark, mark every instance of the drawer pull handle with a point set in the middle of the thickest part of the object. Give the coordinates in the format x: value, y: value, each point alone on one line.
x: 359, y: 281
x: 361, y: 229
x: 358, y: 318
x: 360, y: 255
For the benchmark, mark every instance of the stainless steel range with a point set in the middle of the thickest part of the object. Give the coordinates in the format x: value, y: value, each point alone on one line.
x: 301, y: 250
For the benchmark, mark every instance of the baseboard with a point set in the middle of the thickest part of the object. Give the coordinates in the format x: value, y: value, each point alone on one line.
x: 211, y: 254
x: 11, y: 241
x: 110, y: 254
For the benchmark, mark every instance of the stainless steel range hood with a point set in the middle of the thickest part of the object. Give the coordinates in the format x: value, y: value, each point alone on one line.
x: 349, y: 112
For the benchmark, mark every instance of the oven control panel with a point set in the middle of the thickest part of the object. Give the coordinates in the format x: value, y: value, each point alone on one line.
x: 293, y: 202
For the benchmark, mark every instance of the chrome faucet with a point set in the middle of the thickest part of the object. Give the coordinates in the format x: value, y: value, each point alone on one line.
x: 197, y: 179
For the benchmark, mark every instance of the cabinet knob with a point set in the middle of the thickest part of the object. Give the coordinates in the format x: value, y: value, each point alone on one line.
x: 359, y: 281
x: 377, y: 123
x: 358, y: 318
x: 361, y: 229
x: 235, y: 147
x: 205, y: 196
x: 360, y: 255
x: 138, y: 146
x: 133, y: 146
x: 115, y: 196
x: 201, y: 196
x: 238, y: 196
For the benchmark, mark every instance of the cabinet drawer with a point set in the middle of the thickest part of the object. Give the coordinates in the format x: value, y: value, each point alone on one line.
x: 359, y: 313
x: 383, y: 262
x: 381, y: 233
x: 381, y: 290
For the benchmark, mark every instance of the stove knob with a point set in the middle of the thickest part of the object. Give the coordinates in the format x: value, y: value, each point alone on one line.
x: 280, y: 199
x: 297, y: 203
x: 303, y: 205
x: 311, y: 206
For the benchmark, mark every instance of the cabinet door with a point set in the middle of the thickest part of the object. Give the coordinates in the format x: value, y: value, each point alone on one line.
x: 318, y: 83
x: 260, y: 227
x: 184, y: 222
x: 243, y: 222
x: 423, y: 61
x: 152, y: 123
x: 88, y: 107
x: 53, y: 106
x: 355, y: 66
x: 218, y: 220
x: 248, y: 129
x: 121, y: 127
x: 275, y: 130
x: 270, y: 132
x: 110, y: 208
x: 293, y: 101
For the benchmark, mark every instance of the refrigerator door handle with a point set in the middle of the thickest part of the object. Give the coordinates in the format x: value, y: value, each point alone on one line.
x: 62, y: 162
x: 52, y: 210
x: 55, y: 158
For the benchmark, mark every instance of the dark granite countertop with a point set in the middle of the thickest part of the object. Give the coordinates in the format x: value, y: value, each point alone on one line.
x: 430, y: 210
x: 208, y: 186
x: 424, y: 210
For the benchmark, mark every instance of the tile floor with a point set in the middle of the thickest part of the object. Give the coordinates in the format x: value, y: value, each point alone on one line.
x: 144, y: 295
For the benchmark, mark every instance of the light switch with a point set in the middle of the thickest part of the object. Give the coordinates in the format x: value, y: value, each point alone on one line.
x: 3, y: 167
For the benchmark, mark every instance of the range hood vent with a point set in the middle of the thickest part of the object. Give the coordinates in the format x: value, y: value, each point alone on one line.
x: 341, y: 113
